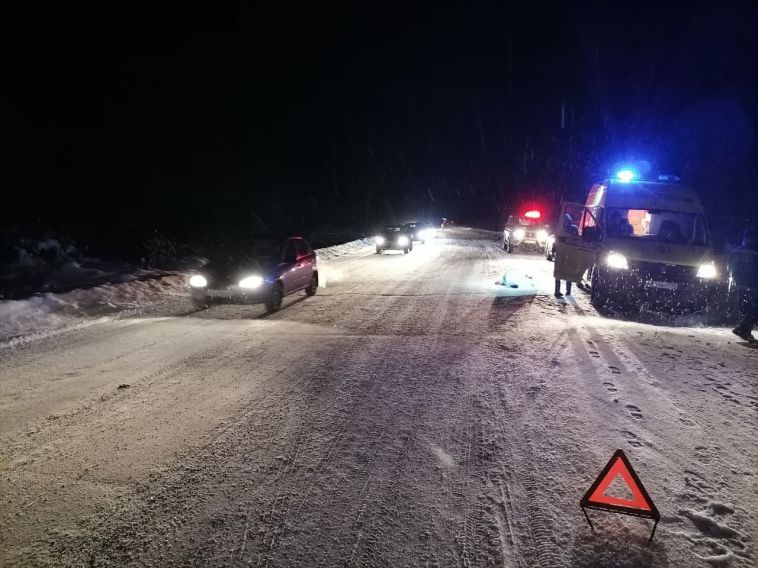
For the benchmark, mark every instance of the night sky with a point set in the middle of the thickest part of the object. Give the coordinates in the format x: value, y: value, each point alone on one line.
x: 119, y: 121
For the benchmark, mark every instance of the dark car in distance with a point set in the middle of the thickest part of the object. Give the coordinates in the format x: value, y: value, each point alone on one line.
x: 420, y: 231
x: 258, y: 271
x: 394, y: 237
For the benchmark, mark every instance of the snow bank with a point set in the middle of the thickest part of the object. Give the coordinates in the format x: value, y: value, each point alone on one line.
x: 330, y: 253
x: 328, y: 271
x: 41, y: 315
x: 31, y: 267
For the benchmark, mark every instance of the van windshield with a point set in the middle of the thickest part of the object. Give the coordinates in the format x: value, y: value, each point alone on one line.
x: 657, y: 225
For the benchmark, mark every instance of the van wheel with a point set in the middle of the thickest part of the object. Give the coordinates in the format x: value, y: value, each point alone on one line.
x: 378, y: 250
x: 598, y: 293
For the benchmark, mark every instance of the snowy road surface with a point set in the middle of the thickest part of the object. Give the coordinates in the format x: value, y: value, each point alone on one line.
x: 411, y: 414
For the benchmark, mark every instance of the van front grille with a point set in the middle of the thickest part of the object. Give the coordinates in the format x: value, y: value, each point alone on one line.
x: 661, y: 272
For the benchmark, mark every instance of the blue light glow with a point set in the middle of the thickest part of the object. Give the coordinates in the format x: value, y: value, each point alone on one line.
x: 625, y: 176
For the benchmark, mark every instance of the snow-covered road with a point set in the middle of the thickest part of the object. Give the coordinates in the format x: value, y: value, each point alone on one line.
x: 413, y: 413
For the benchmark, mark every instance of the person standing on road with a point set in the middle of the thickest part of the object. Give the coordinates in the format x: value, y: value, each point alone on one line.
x: 743, y: 277
x: 570, y: 228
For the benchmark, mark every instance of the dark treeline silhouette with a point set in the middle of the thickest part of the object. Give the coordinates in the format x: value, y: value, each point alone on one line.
x: 209, y: 120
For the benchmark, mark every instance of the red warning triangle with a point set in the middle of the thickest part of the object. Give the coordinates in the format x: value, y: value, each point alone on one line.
x: 619, y: 467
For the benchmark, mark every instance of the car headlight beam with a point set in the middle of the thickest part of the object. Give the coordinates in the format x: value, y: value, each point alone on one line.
x: 251, y: 282
x: 542, y: 235
x: 198, y: 281
x: 519, y: 234
x: 402, y: 240
x: 617, y: 260
x: 380, y: 240
x: 707, y: 270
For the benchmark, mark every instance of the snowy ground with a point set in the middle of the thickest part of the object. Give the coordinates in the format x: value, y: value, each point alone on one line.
x: 414, y: 412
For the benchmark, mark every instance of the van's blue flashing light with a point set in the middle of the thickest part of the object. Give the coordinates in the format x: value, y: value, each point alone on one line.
x: 625, y: 176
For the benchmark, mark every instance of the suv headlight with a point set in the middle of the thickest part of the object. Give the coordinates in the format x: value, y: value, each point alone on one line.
x: 251, y: 282
x: 519, y: 234
x: 380, y: 240
x: 542, y: 235
x: 617, y: 260
x: 198, y: 281
x: 707, y: 270
x: 402, y: 240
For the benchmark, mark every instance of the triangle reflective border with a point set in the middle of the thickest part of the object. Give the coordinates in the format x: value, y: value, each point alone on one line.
x: 640, y: 505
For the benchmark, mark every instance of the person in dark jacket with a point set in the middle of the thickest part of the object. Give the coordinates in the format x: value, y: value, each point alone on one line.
x: 743, y: 276
x: 570, y: 228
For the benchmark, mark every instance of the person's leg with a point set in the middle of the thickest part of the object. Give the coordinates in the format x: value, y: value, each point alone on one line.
x: 745, y: 327
x: 558, y: 288
x: 751, y: 317
x: 568, y: 287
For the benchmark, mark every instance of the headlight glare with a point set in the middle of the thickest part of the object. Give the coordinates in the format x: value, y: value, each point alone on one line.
x: 519, y: 234
x: 402, y: 240
x: 707, y: 270
x: 198, y: 281
x: 617, y: 260
x: 542, y: 235
x: 251, y: 282
x: 380, y: 240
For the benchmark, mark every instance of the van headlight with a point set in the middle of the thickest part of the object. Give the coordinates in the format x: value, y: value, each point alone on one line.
x: 542, y: 235
x: 251, y: 282
x: 402, y: 240
x: 617, y: 260
x: 707, y: 270
x: 519, y: 234
x: 380, y: 240
x: 198, y: 281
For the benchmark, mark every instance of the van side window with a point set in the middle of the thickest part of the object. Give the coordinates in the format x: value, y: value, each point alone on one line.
x: 572, y: 219
x: 591, y: 227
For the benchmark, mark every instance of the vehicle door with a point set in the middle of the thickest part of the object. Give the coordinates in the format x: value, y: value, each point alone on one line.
x: 577, y: 242
x: 305, y: 262
x: 509, y: 225
x: 289, y: 269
